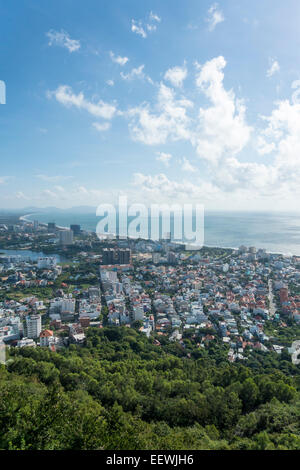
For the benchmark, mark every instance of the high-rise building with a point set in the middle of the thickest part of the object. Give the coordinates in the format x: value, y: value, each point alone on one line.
x: 108, y: 256
x: 137, y: 314
x: 36, y: 225
x: 94, y: 292
x: 284, y: 294
x: 124, y: 256
x: 51, y: 227
x: 66, y: 237
x: 118, y: 256
x: 155, y: 258
x: 171, y: 257
x: 34, y: 326
x: 76, y: 229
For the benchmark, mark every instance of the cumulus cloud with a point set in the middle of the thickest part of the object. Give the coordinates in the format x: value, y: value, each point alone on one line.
x: 176, y: 75
x: 187, y: 166
x: 282, y: 137
x: 160, y: 188
x: 263, y: 147
x: 168, y: 120
x: 64, y: 95
x: 280, y: 177
x: 232, y: 174
x: 217, y: 131
x: 222, y: 127
x: 214, y: 16
x: 62, y: 39
x: 273, y: 68
x: 164, y: 158
x: 117, y: 59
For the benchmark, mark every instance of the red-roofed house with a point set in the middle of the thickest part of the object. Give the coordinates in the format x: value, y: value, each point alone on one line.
x: 46, y: 337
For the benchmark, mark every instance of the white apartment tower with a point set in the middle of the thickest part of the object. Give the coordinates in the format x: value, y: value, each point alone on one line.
x: 66, y: 237
x: 34, y: 326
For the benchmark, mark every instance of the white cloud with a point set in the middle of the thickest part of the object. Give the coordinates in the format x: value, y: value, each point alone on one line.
x: 110, y: 82
x: 159, y: 188
x: 215, y: 16
x: 49, y: 193
x: 53, y: 179
x: 154, y: 17
x: 282, y: 137
x: 101, y: 127
x: 135, y: 73
x: 280, y: 178
x: 222, y: 127
x: 168, y: 120
x: 187, y: 166
x: 151, y: 27
x: 118, y: 59
x: 66, y: 97
x: 21, y: 195
x: 62, y: 39
x: 232, y: 175
x: 263, y: 147
x: 274, y: 67
x: 176, y: 75
x: 164, y: 158
x: 217, y: 131
x: 137, y: 28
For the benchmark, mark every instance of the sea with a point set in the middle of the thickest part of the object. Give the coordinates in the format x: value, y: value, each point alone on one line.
x: 275, y: 232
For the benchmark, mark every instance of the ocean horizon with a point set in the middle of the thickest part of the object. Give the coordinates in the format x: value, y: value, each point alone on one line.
x: 275, y: 232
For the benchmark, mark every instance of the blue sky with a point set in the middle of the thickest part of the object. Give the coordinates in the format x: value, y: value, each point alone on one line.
x: 159, y: 100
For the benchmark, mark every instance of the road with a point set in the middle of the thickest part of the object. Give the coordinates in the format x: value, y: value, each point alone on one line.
x: 272, y: 307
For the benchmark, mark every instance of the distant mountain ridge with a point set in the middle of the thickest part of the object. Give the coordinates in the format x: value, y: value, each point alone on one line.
x: 30, y: 209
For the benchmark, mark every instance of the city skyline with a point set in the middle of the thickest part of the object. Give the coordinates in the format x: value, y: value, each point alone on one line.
x: 162, y: 102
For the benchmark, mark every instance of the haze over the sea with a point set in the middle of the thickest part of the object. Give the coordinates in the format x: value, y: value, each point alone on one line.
x: 276, y: 232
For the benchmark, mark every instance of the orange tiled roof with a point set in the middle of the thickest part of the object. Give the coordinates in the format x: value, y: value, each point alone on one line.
x: 46, y: 333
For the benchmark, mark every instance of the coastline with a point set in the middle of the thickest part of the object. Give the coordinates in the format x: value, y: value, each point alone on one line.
x: 25, y: 218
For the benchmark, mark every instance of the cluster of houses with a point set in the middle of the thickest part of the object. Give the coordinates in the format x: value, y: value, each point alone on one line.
x: 233, y: 296
x: 19, y: 271
x: 228, y: 297
x: 126, y: 300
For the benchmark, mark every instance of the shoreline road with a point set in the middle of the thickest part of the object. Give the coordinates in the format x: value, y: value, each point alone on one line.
x: 272, y: 306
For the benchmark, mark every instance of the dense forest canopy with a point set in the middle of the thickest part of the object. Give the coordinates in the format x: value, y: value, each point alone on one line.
x: 121, y: 391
